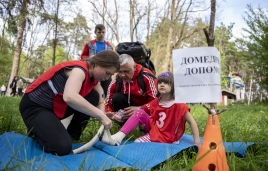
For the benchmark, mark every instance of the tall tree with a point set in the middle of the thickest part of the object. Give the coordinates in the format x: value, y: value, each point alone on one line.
x: 257, y: 42
x: 56, y: 21
x: 150, y: 7
x: 3, y: 34
x: 177, y: 12
x: 112, y: 12
x: 22, y: 7
x: 6, y: 58
x: 131, y: 18
x: 55, y: 16
x: 136, y: 13
x: 76, y: 36
x: 210, y: 42
x: 191, y: 37
x: 157, y: 36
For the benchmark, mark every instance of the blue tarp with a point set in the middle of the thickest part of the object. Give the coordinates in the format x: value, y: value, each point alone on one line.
x: 142, y: 156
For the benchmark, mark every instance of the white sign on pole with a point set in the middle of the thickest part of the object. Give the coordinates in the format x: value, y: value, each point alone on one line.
x: 197, y: 75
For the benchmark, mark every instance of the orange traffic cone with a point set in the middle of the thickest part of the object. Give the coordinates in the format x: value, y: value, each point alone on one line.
x: 214, y: 160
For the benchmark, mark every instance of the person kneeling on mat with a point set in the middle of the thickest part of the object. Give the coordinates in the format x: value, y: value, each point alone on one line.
x: 67, y: 88
x: 167, y: 121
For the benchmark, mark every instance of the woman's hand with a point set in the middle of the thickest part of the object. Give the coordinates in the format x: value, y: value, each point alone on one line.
x: 106, y: 122
x: 72, y: 97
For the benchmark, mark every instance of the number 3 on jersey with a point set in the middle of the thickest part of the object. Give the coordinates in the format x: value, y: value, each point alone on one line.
x: 160, y: 122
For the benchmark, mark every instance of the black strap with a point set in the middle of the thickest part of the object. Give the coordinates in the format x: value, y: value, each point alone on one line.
x: 141, y: 82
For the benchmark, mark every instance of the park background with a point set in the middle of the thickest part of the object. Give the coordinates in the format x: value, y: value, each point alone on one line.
x: 40, y: 34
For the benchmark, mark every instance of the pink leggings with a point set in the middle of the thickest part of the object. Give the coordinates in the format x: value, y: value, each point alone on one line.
x: 139, y: 116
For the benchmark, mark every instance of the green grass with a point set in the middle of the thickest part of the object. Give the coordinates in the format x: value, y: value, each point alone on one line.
x: 239, y: 123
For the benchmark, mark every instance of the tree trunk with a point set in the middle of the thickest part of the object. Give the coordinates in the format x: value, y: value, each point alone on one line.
x: 32, y: 67
x: 116, y: 20
x: 56, y: 34
x: 210, y: 37
x: 167, y: 56
x: 160, y: 28
x: 261, y: 90
x: 103, y: 10
x: 148, y: 25
x: 181, y: 33
x: 170, y: 33
x: 158, y: 47
x: 112, y: 19
x: 136, y: 30
x: 16, y: 60
x: 131, y: 17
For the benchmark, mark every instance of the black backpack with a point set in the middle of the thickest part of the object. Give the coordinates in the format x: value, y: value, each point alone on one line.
x: 138, y: 52
x: 139, y: 79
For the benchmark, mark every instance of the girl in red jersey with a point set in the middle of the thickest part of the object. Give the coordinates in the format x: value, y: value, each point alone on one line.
x: 167, y: 121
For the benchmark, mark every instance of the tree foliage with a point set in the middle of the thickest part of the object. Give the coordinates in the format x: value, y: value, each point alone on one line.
x: 6, y: 59
x: 49, y: 36
x: 257, y: 42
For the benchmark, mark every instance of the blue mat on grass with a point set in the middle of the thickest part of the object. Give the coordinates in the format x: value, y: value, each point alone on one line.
x: 141, y: 156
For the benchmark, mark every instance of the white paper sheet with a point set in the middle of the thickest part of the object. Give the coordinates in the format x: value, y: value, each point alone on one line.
x: 197, y: 75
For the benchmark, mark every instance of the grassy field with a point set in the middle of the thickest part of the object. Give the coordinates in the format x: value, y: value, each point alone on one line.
x: 239, y: 123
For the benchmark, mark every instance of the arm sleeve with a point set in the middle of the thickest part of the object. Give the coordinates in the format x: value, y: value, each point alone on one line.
x: 85, y: 53
x: 150, y: 87
x: 110, y: 93
x: 146, y: 107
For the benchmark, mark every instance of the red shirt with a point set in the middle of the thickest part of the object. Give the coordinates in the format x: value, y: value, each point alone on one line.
x: 167, y: 124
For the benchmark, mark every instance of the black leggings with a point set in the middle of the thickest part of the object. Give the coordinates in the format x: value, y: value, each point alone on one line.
x: 13, y: 91
x: 46, y: 126
x: 19, y: 91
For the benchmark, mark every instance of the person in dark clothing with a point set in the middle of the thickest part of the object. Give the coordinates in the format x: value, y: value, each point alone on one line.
x: 14, y: 86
